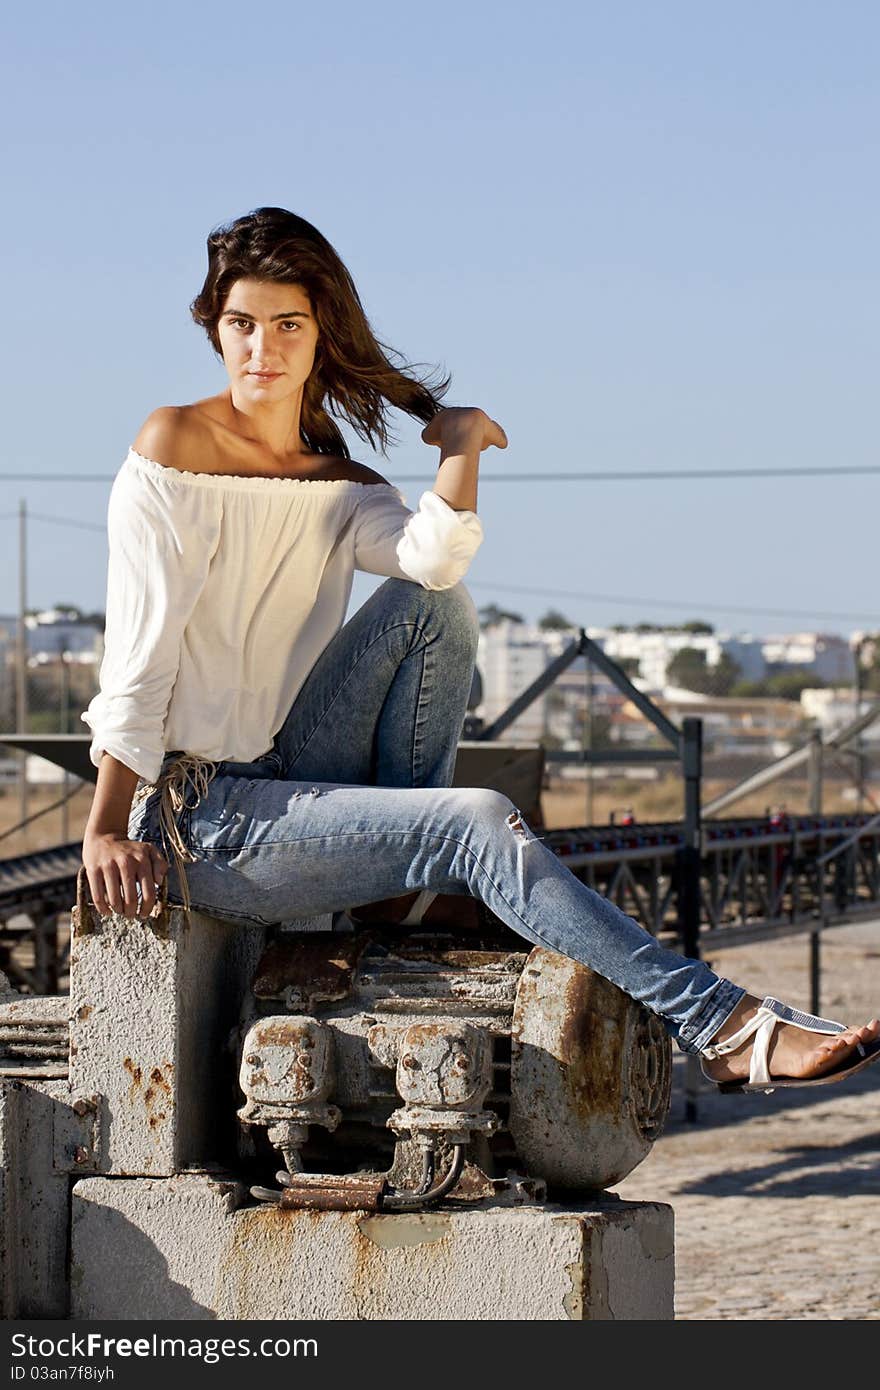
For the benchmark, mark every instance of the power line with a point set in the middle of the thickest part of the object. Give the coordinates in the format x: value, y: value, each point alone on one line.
x: 68, y: 521
x: 624, y: 599
x: 57, y: 477
x: 657, y: 475
x: 694, y: 608
x: 605, y: 476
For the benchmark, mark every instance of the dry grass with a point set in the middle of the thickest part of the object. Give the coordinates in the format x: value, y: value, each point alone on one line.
x: 49, y: 829
x: 565, y: 803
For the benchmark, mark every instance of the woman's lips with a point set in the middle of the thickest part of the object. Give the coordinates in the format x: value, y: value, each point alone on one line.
x: 264, y: 376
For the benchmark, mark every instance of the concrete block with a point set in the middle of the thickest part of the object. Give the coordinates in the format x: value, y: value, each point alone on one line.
x: 152, y: 1008
x: 184, y: 1248
x: 34, y: 1202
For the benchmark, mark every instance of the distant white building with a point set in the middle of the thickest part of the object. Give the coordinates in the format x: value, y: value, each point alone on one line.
x: 831, y: 709
x: 655, y: 650
x: 57, y: 630
x: 823, y: 654
x: 510, y: 656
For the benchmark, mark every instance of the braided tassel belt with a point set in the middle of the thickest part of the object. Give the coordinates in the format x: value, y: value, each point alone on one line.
x: 187, y: 772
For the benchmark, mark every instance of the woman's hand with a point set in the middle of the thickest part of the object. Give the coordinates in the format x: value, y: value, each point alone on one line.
x: 463, y: 429
x: 115, y: 866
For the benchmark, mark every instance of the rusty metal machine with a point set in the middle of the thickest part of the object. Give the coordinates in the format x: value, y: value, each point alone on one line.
x: 230, y: 1074
x: 393, y: 1069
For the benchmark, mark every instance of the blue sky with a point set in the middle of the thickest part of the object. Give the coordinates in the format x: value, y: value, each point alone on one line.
x: 641, y: 236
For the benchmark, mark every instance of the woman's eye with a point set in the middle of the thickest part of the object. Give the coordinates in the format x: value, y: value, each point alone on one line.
x: 290, y: 323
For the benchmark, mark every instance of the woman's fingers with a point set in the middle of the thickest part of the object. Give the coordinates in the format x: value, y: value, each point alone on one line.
x: 96, y: 888
x: 499, y: 438
x: 110, y: 895
x: 132, y: 875
x: 127, y: 883
x: 152, y: 878
x: 464, y: 425
x: 160, y: 865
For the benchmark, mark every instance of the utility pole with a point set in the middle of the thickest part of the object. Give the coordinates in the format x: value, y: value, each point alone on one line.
x: 21, y: 702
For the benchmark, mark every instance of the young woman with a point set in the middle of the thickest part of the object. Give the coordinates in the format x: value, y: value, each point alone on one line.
x: 275, y: 762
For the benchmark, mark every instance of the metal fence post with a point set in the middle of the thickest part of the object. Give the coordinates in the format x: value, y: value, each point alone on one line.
x: 690, y: 863
x: 814, y: 807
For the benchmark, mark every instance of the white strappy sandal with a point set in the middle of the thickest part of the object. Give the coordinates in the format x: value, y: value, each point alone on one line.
x: 763, y: 1025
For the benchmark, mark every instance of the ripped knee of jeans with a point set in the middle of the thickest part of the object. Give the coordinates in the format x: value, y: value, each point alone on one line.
x: 298, y: 792
x: 519, y: 827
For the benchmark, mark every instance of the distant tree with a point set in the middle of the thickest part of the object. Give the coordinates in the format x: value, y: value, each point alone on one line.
x: 723, y: 675
x: 599, y: 729
x: 690, y: 670
x: 490, y: 615
x: 554, y: 621
x: 749, y: 690
x: 629, y: 665
x: 697, y: 628
x: 789, y: 685
x: 870, y: 660
x: 784, y: 685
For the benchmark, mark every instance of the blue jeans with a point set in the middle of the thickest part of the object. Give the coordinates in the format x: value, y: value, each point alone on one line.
x: 352, y: 804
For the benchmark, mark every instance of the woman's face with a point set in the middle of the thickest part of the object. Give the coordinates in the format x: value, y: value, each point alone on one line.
x: 268, y: 334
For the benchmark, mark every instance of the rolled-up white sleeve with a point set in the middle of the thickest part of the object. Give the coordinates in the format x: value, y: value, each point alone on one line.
x: 162, y: 536
x: 434, y: 545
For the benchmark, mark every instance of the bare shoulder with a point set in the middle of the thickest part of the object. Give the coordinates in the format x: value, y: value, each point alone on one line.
x: 171, y: 436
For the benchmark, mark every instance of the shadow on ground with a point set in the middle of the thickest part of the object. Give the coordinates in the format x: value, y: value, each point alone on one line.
x: 805, y: 1170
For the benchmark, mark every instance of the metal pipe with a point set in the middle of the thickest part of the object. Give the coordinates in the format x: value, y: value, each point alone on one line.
x: 790, y: 761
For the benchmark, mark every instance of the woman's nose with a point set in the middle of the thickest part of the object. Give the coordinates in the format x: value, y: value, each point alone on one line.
x: 258, y: 343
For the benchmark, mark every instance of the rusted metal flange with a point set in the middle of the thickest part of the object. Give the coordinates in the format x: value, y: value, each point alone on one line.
x: 591, y: 1073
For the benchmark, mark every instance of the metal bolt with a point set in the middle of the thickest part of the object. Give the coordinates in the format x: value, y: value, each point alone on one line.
x: 252, y: 1059
x: 81, y: 1107
x: 80, y: 1155
x: 410, y: 1062
x: 304, y: 1060
x: 461, y: 1062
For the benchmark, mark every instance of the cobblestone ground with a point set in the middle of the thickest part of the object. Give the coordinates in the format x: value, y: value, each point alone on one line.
x: 776, y: 1197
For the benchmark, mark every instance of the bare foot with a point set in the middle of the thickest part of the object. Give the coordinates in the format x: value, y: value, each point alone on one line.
x: 793, y: 1051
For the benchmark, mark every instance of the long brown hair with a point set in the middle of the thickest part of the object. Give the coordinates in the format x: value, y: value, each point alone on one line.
x: 353, y: 375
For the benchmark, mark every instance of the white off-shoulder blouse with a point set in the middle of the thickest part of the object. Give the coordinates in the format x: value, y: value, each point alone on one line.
x: 223, y: 590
